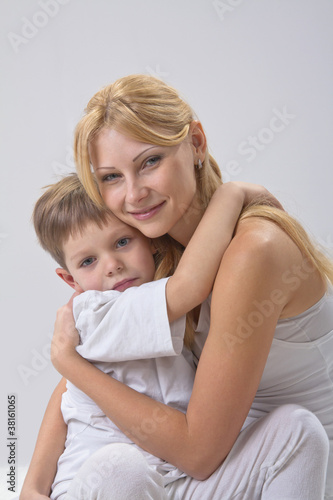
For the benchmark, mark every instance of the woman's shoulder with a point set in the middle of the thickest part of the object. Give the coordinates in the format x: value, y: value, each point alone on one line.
x: 264, y: 248
x: 260, y: 247
x: 264, y: 239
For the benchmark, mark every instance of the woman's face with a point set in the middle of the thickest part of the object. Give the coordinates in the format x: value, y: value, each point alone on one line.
x: 152, y: 188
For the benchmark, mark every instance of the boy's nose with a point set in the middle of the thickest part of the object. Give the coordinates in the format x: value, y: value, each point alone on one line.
x: 112, y: 266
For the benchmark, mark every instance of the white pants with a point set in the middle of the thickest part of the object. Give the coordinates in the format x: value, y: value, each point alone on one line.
x: 282, y: 456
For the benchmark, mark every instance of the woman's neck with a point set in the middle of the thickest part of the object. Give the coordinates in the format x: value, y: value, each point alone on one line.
x: 186, y: 226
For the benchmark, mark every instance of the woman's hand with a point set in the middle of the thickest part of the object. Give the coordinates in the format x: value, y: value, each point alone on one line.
x: 65, y: 336
x: 32, y: 495
x: 253, y: 192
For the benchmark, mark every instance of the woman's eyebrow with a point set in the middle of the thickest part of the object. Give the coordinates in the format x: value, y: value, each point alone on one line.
x: 109, y: 167
x: 144, y: 151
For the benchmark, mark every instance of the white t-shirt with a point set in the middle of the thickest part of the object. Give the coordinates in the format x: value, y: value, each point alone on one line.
x: 114, y: 326
x: 128, y: 336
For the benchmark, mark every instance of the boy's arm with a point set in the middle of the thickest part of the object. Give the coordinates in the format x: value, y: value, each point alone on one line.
x: 194, y: 277
x: 123, y: 326
x: 105, y: 324
x: 49, y: 446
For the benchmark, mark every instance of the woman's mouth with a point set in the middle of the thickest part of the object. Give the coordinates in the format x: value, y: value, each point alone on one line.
x: 124, y: 284
x: 147, y: 213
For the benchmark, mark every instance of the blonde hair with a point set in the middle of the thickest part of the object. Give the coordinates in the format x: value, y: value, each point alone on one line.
x: 64, y: 210
x: 148, y: 110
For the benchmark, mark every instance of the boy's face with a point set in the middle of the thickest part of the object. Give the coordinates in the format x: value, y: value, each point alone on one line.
x: 114, y: 257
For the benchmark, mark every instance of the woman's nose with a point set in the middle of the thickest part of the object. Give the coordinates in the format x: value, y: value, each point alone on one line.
x: 136, y: 191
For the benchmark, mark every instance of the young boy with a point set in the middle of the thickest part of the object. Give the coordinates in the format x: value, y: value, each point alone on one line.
x: 122, y: 310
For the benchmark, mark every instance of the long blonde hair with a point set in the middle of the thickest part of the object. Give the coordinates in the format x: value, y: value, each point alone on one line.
x: 148, y: 110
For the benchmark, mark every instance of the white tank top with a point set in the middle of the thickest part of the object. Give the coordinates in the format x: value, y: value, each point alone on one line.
x: 299, y: 368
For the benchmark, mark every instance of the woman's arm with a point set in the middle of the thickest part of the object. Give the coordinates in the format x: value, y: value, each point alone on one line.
x: 49, y: 446
x: 229, y: 370
x: 194, y: 277
x: 183, y: 294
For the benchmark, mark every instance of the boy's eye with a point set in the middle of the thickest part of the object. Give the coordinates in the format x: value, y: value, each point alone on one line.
x: 87, y: 262
x: 123, y: 242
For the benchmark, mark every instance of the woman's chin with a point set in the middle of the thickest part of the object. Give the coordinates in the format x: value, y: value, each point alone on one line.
x: 153, y: 232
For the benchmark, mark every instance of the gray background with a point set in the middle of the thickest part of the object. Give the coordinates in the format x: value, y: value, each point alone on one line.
x: 238, y: 63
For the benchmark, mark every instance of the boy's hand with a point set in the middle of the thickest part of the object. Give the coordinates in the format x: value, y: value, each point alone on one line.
x: 254, y: 192
x: 65, y: 336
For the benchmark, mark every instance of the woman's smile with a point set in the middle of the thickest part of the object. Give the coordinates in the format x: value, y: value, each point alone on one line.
x: 138, y: 181
x: 147, y: 213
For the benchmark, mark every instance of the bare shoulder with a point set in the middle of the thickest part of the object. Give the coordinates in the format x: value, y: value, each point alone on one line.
x: 256, y: 260
x: 262, y: 249
x: 256, y: 238
x: 260, y: 228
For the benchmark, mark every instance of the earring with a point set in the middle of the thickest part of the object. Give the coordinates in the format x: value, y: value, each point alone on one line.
x: 199, y: 164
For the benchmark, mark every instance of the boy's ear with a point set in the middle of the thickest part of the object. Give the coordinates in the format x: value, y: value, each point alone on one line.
x: 68, y: 278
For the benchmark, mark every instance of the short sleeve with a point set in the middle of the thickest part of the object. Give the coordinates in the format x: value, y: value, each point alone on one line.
x: 122, y: 326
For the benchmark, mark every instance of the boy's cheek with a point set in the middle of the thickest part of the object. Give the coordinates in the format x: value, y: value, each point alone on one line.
x: 78, y: 288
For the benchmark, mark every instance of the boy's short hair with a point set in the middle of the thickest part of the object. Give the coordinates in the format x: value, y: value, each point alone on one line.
x: 63, y: 211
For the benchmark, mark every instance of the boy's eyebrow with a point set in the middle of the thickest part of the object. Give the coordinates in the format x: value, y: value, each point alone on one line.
x: 78, y: 255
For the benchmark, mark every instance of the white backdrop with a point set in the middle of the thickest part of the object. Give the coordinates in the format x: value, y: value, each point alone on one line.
x: 259, y: 75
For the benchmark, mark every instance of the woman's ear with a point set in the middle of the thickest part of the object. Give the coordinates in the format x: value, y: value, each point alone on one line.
x: 68, y: 278
x: 198, y: 140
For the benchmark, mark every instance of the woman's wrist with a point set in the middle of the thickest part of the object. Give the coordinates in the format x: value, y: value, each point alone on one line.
x: 65, y: 360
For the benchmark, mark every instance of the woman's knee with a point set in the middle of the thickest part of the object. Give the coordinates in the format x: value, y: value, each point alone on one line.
x: 298, y: 419
x: 301, y: 430
x: 312, y: 431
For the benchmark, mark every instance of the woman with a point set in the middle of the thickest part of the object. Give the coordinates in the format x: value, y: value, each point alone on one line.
x: 154, y: 172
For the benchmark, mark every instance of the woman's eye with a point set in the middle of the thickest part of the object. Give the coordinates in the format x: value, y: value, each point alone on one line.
x: 88, y: 262
x: 110, y: 177
x: 123, y: 242
x: 151, y: 162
